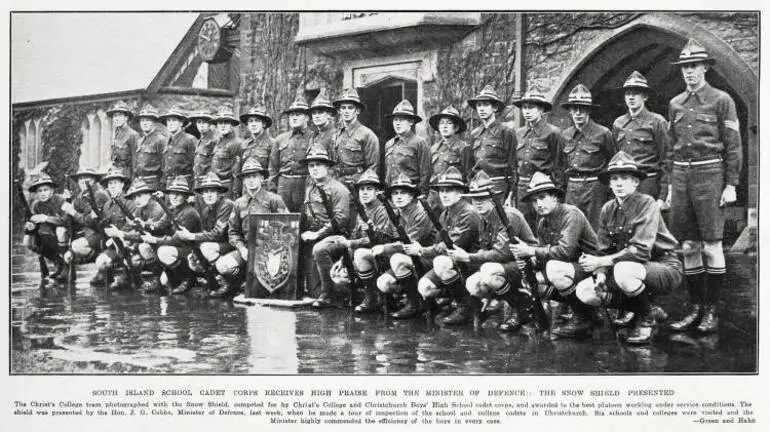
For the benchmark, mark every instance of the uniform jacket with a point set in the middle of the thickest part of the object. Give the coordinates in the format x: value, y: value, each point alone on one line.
x: 178, y: 156
x: 645, y: 138
x: 226, y: 155
x: 214, y: 220
x: 123, y: 148
x: 315, y: 212
x: 463, y: 225
x: 493, y: 240
x: 324, y: 137
x: 204, y: 151
x: 151, y: 213
x: 539, y: 148
x: 494, y: 150
x: 82, y: 204
x: 258, y: 147
x: 380, y: 222
x: 288, y: 150
x: 564, y: 235
x: 263, y: 201
x: 586, y: 152
x: 52, y: 208
x: 112, y: 213
x: 451, y: 152
x: 187, y: 216
x: 410, y: 155
x: 356, y: 148
x: 417, y: 225
x: 149, y: 154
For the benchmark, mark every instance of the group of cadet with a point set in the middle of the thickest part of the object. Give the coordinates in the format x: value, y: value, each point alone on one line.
x: 520, y: 216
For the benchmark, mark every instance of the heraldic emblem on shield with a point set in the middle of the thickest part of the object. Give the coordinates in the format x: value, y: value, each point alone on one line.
x: 273, y: 263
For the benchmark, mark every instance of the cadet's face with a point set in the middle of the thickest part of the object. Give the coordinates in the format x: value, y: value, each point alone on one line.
x: 401, y: 125
x: 401, y: 197
x: 318, y: 170
x: 255, y: 125
x: 202, y: 125
x: 320, y: 117
x: 253, y: 182
x: 224, y: 127
x: 531, y: 112
x: 176, y: 199
x: 482, y: 205
x: 367, y: 193
x: 115, y: 187
x: 580, y: 115
x: 545, y: 203
x: 146, y: 124
x: 141, y: 200
x: 449, y: 196
x: 173, y: 124
x: 349, y: 112
x: 635, y: 99
x: 485, y: 109
x: 446, y: 127
x: 694, y: 73
x: 210, y: 196
x: 297, y: 120
x: 623, y: 185
x: 119, y: 119
x: 44, y: 192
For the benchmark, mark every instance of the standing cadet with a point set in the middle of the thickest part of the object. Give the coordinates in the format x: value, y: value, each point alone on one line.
x: 322, y: 114
x: 179, y: 154
x: 704, y: 159
x: 450, y: 150
x: 637, y: 257
x: 493, y: 143
x: 406, y: 153
x: 316, y: 225
x: 226, y: 154
x: 563, y: 234
x: 643, y: 135
x: 124, y: 139
x: 588, y: 147
x: 356, y: 147
x: 539, y: 147
x: 258, y: 143
x: 148, y: 163
x: 44, y: 232
x: 207, y: 135
x: 255, y: 199
x: 115, y: 181
x: 86, y: 247
x: 289, y: 149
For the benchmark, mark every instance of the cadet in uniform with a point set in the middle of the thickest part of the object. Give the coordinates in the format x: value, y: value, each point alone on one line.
x: 563, y: 235
x: 115, y: 181
x: 226, y: 154
x: 643, y: 135
x: 148, y: 163
x: 316, y: 225
x: 86, y: 247
x: 259, y: 143
x: 322, y: 114
x: 44, y: 232
x: 255, y: 199
x: 418, y: 227
x: 704, y: 158
x: 637, y: 257
x: 493, y: 143
x: 463, y: 225
x: 356, y: 147
x: 203, y: 150
x: 449, y: 150
x: 407, y: 153
x: 497, y: 274
x: 588, y: 147
x: 124, y: 139
x: 179, y: 154
x: 289, y: 149
x: 539, y: 147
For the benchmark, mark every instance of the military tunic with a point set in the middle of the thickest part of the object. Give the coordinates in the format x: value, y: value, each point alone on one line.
x: 356, y: 149
x: 539, y: 149
x: 204, y: 151
x: 123, y: 148
x: 263, y: 201
x: 148, y: 163
x: 564, y: 235
x: 417, y: 225
x: 286, y: 171
x: 463, y: 225
x: 153, y: 214
x: 494, y: 150
x: 380, y: 223
x: 83, y: 216
x: 178, y: 157
x: 225, y: 160
x: 315, y: 211
x: 645, y: 138
x: 445, y: 153
x: 410, y: 155
x: 258, y: 147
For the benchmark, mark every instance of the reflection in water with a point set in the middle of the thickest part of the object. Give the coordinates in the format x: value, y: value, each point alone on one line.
x: 97, y: 331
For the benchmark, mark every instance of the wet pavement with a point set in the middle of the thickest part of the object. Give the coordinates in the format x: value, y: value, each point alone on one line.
x: 97, y: 331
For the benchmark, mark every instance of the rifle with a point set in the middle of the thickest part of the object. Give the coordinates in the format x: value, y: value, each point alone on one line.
x: 362, y: 214
x: 403, y: 237
x: 608, y: 318
x: 210, y: 280
x: 530, y: 279
x: 71, y: 270
x: 134, y: 276
x: 346, y: 261
x: 27, y: 217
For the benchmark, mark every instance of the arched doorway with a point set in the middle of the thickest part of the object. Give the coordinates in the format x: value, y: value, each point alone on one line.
x: 649, y: 45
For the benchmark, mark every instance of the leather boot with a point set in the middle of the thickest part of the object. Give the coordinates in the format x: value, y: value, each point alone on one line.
x: 371, y: 302
x: 690, y: 321
x: 519, y: 304
x: 230, y: 288
x: 463, y: 311
x: 644, y: 330
x: 413, y: 305
x: 697, y: 289
x: 709, y: 323
x: 188, y: 281
x: 580, y: 324
x: 624, y: 319
x: 152, y: 285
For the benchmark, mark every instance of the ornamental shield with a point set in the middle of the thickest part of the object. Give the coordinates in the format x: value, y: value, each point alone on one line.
x: 273, y: 241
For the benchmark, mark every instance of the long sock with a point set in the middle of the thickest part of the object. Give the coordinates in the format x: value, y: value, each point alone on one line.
x: 715, y: 278
x: 696, y: 287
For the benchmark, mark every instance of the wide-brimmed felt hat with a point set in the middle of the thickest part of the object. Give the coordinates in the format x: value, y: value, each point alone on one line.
x: 201, y: 115
x: 579, y: 96
x: 83, y: 172
x: 451, y: 177
x: 487, y: 94
x: 120, y: 107
x: 210, y: 181
x: 402, y: 182
x: 622, y: 163
x: 252, y: 166
x: 226, y: 114
x: 480, y: 186
x: 534, y: 96
x: 369, y: 177
x: 299, y: 105
x: 349, y: 95
x: 173, y: 112
x: 322, y: 102
x: 694, y: 52
x: 404, y: 109
x: 139, y: 186
x: 541, y: 182
x: 637, y: 81
x: 114, y: 172
x: 149, y: 112
x: 450, y: 113
x: 179, y: 185
x: 40, y: 180
x: 260, y: 112
x: 317, y: 153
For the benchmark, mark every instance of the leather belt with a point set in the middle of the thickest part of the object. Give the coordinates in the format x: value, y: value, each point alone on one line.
x: 293, y: 176
x: 583, y: 179
x: 497, y: 178
x: 150, y: 177
x: 345, y: 171
x: 525, y: 179
x: 697, y: 162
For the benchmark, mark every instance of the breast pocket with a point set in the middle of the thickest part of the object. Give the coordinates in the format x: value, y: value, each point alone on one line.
x: 706, y: 125
x: 352, y: 154
x: 492, y: 149
x: 590, y: 156
x: 221, y: 159
x: 149, y: 158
